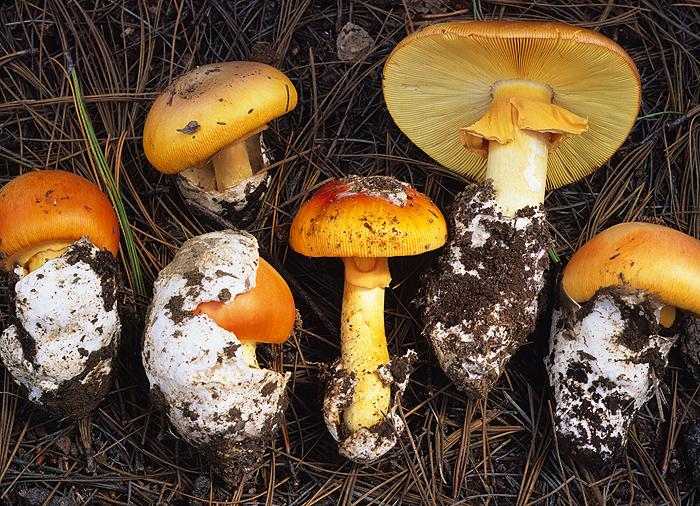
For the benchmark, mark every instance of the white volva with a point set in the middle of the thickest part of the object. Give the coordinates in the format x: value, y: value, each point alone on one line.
x: 200, y: 187
x: 474, y: 351
x: 364, y: 445
x: 599, y: 381
x: 213, y: 397
x: 63, y: 322
x: 220, y: 201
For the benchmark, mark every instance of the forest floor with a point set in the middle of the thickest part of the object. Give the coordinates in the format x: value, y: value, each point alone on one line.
x: 455, y: 451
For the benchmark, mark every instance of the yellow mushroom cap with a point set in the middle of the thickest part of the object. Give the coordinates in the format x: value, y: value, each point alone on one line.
x: 645, y: 256
x: 440, y: 79
x: 211, y: 107
x: 367, y: 217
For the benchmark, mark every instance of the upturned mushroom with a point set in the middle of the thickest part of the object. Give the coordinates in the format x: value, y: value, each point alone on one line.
x: 610, y: 336
x: 207, y: 128
x: 211, y: 305
x: 58, y: 239
x: 521, y: 106
x: 365, y: 220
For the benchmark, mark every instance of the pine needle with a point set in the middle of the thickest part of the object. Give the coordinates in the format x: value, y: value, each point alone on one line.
x: 553, y: 255
x: 107, y: 178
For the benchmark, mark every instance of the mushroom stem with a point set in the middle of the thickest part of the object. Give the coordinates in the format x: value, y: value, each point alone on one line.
x: 238, y: 161
x: 519, y: 128
x: 516, y: 189
x: 232, y: 165
x: 249, y: 356
x: 667, y: 315
x: 363, y: 341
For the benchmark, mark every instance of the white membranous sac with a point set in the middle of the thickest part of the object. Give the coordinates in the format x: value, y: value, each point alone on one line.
x: 366, y: 445
x: 238, y: 203
x: 480, y: 304
x: 66, y: 330
x: 214, y: 397
x: 605, y: 359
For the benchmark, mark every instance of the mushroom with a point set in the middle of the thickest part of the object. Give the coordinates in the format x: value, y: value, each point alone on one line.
x: 365, y: 220
x: 521, y: 106
x: 610, y: 336
x: 58, y: 239
x: 211, y: 305
x: 207, y: 128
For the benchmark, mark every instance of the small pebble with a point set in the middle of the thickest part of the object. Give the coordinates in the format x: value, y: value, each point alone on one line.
x: 353, y: 42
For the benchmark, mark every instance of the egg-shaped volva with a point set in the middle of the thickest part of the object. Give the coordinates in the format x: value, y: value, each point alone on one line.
x: 205, y: 376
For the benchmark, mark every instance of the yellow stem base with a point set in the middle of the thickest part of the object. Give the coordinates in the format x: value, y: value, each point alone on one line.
x: 231, y: 165
x: 667, y: 316
x: 238, y: 161
x: 518, y: 170
x: 249, y: 355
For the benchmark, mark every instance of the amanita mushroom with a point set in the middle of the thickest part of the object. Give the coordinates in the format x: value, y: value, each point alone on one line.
x: 207, y: 128
x: 522, y: 106
x: 365, y: 220
x: 210, y: 307
x: 610, y: 337
x: 58, y: 237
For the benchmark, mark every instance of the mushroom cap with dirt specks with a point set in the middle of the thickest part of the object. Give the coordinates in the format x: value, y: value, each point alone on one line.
x: 66, y: 331
x: 45, y: 206
x: 654, y: 258
x: 215, y: 400
x: 209, y: 108
x: 373, y: 216
x: 440, y: 79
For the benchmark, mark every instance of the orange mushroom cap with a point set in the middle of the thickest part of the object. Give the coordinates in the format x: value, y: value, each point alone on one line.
x: 44, y: 207
x: 645, y: 256
x: 361, y: 217
x: 265, y: 314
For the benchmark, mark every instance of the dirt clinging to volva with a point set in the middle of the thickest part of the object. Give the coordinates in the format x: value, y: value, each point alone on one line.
x: 606, y: 357
x: 479, y: 302
x: 66, y: 331
x: 366, y: 444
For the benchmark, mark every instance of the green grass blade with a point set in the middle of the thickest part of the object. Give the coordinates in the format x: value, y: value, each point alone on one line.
x: 553, y: 255
x: 110, y: 185
x: 657, y: 114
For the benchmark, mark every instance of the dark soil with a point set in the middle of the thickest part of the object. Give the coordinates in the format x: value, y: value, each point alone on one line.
x: 691, y: 440
x: 245, y: 216
x: 690, y: 344
x: 103, y: 264
x: 373, y: 185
